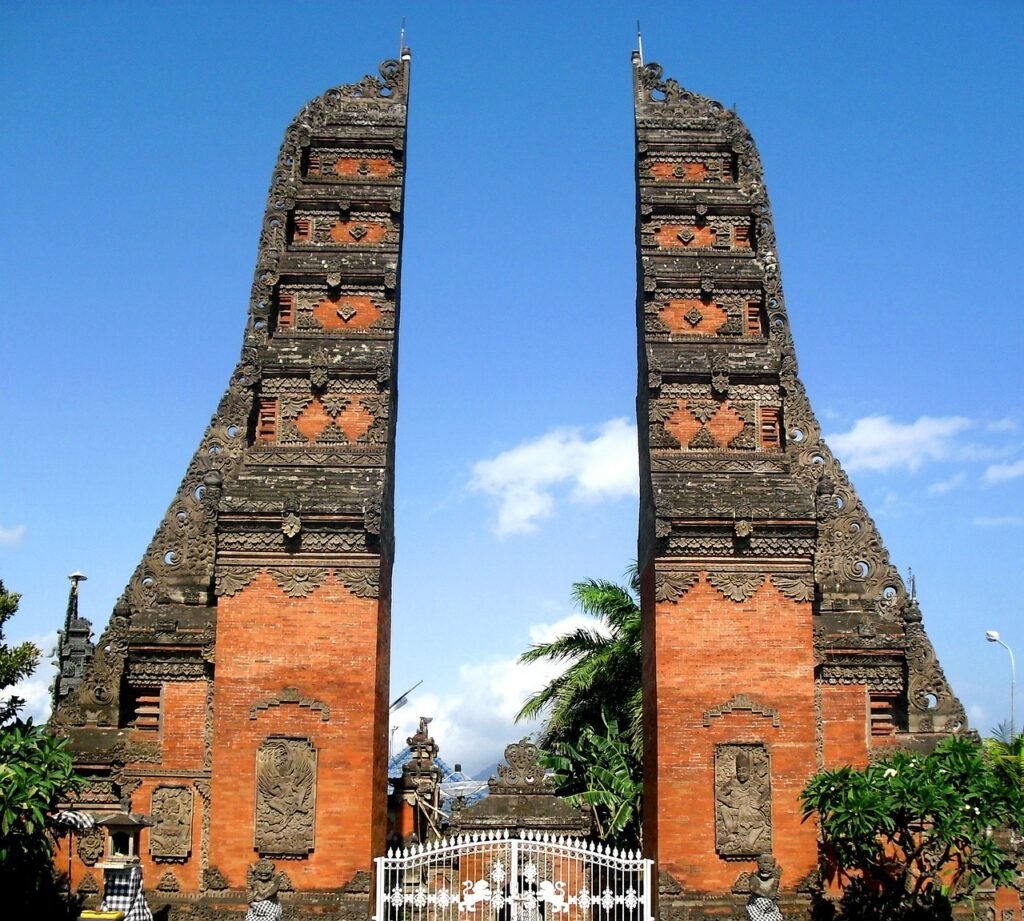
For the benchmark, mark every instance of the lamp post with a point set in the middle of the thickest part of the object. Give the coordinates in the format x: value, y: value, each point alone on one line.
x: 993, y: 637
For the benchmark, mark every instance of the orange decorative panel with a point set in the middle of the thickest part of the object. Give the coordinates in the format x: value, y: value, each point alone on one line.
x: 371, y: 168
x: 362, y: 233
x: 686, y: 236
x: 692, y: 317
x: 354, y: 420
x: 725, y: 424
x: 356, y: 311
x: 313, y: 420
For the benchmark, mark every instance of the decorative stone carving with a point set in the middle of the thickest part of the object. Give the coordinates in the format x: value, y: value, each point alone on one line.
x: 90, y: 846
x: 262, y: 887
x: 522, y: 772
x: 736, y: 586
x: 669, y: 586
x: 291, y: 696
x: 762, y: 889
x: 795, y: 587
x: 170, y: 838
x: 285, y: 797
x: 741, y: 702
x: 168, y: 883
x: 214, y: 879
x: 365, y: 583
x: 232, y: 580
x: 88, y: 886
x: 299, y: 582
x: 743, y: 807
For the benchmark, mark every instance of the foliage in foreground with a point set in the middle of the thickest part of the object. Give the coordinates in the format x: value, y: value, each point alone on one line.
x: 603, y: 665
x: 36, y: 770
x: 593, y: 733
x: 912, y: 835
x: 600, y: 769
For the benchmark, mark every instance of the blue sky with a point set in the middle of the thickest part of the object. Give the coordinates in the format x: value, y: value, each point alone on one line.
x: 138, y: 145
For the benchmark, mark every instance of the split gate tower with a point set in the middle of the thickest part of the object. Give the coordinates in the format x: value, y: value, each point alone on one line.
x: 778, y: 637
x: 239, y: 695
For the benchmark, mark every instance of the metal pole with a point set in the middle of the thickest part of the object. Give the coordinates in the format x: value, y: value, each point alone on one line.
x: 993, y: 637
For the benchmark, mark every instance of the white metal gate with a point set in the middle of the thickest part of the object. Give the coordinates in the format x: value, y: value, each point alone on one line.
x: 496, y: 876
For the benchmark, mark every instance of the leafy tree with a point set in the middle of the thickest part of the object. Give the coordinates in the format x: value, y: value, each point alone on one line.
x: 912, y: 835
x: 593, y: 736
x: 15, y: 663
x: 1007, y: 754
x: 600, y: 769
x: 602, y: 674
x: 35, y: 772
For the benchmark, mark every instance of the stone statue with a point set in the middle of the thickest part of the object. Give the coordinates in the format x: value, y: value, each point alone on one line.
x: 763, y: 904
x: 263, y: 889
x: 742, y: 801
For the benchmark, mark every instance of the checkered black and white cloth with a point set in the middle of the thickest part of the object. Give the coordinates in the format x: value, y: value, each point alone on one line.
x: 264, y: 910
x: 122, y: 891
x: 760, y: 908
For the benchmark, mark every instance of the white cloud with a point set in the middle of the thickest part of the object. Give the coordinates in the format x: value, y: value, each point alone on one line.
x: 999, y: 473
x: 999, y: 521
x: 523, y: 479
x: 1005, y: 424
x: 941, y: 487
x: 474, y: 719
x: 879, y: 443
x: 12, y: 536
x: 35, y: 690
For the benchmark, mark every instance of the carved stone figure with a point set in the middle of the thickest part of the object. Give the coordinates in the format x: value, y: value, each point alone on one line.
x: 263, y: 887
x: 285, y: 797
x: 763, y: 904
x: 171, y: 837
x: 743, y: 809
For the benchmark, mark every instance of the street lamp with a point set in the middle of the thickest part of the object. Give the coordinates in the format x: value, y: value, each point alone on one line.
x: 993, y: 637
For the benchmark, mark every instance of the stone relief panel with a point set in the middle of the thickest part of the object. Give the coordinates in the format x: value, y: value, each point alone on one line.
x: 171, y: 837
x: 285, y: 797
x: 743, y: 800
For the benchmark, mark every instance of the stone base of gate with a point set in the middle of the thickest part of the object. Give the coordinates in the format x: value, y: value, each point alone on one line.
x: 349, y: 903
x: 675, y: 904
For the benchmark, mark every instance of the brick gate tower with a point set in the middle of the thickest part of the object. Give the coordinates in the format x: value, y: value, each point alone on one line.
x: 779, y: 638
x: 239, y: 694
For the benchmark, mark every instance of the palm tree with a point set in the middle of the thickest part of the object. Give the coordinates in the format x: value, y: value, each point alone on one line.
x: 1007, y: 753
x: 601, y: 681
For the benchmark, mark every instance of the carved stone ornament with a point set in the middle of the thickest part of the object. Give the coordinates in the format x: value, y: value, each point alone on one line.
x: 741, y: 702
x: 88, y: 886
x: 364, y: 583
x: 299, y: 582
x: 736, y: 586
x: 522, y: 772
x: 168, y: 883
x: 743, y: 800
x: 214, y: 879
x: 291, y: 696
x: 285, y: 797
x: 795, y: 587
x: 291, y: 524
x: 170, y: 838
x: 231, y: 581
x: 90, y: 846
x: 669, y: 586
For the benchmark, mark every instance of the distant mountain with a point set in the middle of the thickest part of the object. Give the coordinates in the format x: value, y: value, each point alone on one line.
x: 487, y: 772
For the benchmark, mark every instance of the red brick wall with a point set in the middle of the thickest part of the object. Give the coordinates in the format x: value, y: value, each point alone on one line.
x: 844, y: 715
x: 332, y: 646
x: 701, y: 651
